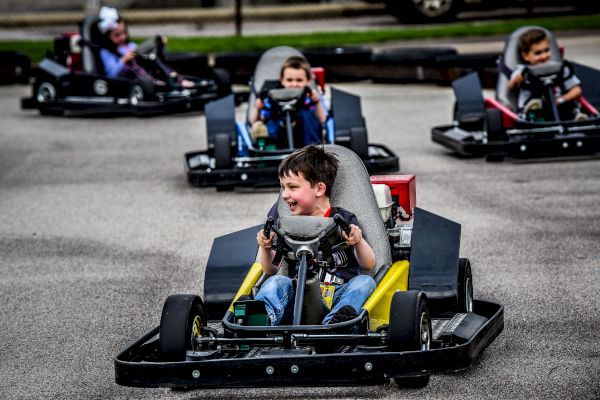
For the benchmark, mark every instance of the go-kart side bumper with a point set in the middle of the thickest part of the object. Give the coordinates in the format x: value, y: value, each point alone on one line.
x: 519, y: 146
x: 99, y: 105
x: 134, y: 366
x: 262, y: 171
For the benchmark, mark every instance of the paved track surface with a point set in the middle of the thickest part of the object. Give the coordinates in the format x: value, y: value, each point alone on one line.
x: 98, y: 227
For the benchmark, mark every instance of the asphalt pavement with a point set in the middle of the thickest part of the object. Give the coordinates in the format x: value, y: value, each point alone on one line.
x: 98, y: 226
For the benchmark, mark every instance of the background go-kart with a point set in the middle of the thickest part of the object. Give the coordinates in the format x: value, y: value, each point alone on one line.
x: 98, y: 226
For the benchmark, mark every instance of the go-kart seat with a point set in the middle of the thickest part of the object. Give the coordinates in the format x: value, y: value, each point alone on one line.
x: 90, y: 49
x: 511, y: 58
x: 268, y: 70
x: 352, y: 190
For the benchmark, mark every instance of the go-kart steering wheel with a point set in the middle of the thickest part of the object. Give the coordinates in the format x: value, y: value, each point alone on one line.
x: 300, y: 245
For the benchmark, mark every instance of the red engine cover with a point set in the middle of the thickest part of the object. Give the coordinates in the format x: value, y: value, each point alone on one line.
x: 403, y: 188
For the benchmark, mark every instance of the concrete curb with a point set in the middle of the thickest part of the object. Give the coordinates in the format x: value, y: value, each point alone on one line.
x: 197, y: 15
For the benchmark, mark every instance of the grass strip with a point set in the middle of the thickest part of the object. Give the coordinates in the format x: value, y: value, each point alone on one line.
x: 36, y: 49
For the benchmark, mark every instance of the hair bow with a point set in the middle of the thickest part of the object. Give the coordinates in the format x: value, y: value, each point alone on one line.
x: 108, y: 19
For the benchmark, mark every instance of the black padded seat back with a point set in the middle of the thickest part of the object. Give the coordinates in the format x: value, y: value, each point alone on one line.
x: 91, y: 38
x: 268, y: 68
x: 352, y: 190
x: 511, y: 58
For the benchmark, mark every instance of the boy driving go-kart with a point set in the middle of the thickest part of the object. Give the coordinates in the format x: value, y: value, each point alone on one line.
x: 420, y: 319
x: 545, y: 88
x: 307, y: 177
x: 238, y: 154
x: 298, y: 108
x: 543, y: 105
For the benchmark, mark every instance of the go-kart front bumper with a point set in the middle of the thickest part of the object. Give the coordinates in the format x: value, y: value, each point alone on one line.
x: 139, y: 365
x: 526, y: 143
x: 261, y: 171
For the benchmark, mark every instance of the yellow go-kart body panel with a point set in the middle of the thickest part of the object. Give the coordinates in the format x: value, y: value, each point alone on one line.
x: 378, y: 304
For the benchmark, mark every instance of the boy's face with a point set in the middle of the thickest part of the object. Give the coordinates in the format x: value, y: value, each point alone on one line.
x: 294, y: 78
x: 299, y: 195
x: 539, y: 53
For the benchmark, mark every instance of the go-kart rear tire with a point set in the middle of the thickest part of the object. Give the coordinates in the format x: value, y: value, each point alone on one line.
x: 141, y: 90
x: 410, y: 324
x: 465, y: 286
x: 359, y: 143
x: 222, y: 150
x: 493, y: 125
x: 182, y: 317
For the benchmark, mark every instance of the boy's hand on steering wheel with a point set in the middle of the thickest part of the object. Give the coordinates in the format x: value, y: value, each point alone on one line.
x: 263, y: 241
x: 354, y: 237
x: 314, y: 96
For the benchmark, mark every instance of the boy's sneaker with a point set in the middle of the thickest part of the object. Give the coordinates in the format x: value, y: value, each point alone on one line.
x: 532, y: 105
x: 346, y: 313
x: 259, y: 129
x: 580, y: 116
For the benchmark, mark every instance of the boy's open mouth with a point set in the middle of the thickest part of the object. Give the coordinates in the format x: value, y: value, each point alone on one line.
x: 292, y: 205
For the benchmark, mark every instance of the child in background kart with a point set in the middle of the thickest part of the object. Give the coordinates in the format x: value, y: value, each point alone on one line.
x: 534, y: 49
x: 295, y: 73
x: 118, y: 54
x: 306, y: 177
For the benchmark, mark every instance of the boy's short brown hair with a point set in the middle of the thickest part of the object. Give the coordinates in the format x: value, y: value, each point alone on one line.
x: 314, y: 164
x: 529, y: 38
x: 296, y: 62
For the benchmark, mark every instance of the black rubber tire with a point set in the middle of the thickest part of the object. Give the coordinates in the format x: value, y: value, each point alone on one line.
x: 406, y: 310
x: 136, y: 94
x: 222, y: 151
x: 359, y: 142
x: 176, y: 331
x: 465, y: 286
x: 408, y: 13
x: 493, y: 125
x: 337, y: 55
x: 187, y: 63
x: 424, y: 56
x: 46, y: 91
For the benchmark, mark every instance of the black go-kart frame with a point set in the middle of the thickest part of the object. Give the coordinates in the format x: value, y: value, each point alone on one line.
x: 234, y: 159
x: 490, y: 127
x: 421, y: 318
x: 72, y: 79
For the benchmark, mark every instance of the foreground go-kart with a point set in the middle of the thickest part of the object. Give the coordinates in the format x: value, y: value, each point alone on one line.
x: 233, y: 158
x: 492, y: 128
x: 420, y: 319
x: 72, y: 79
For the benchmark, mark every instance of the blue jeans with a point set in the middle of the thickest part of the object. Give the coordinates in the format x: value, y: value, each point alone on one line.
x: 306, y: 124
x: 278, y: 294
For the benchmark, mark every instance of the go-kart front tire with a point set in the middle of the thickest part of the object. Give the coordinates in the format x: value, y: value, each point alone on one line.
x: 182, y: 318
x: 410, y: 324
x: 409, y: 330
